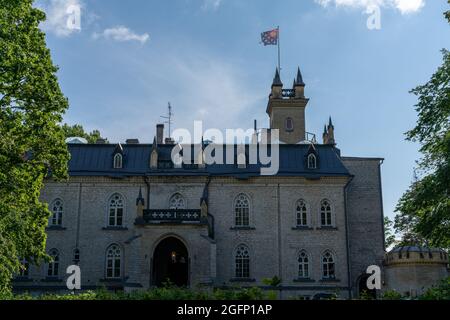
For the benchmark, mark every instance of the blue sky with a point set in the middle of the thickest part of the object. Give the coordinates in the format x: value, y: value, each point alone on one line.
x: 130, y: 58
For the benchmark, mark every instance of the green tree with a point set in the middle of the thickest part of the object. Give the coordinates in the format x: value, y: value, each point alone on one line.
x: 389, y: 236
x: 424, y: 210
x: 31, y: 140
x: 78, y: 131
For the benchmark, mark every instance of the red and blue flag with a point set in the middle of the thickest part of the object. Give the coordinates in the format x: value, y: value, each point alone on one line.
x: 270, y: 38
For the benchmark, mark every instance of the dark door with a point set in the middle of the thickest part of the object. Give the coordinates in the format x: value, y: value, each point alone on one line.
x: 170, y: 263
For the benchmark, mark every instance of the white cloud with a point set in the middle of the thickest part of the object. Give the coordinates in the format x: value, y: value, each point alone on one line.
x: 121, y: 33
x: 63, y: 16
x: 404, y: 6
x: 211, y: 4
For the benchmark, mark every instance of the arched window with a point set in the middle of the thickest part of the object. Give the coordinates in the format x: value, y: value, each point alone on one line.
x: 242, y: 211
x: 303, y: 265
x: 57, y: 212
x: 326, y: 213
x: 177, y: 202
x: 328, y: 270
x: 312, y: 161
x: 289, y: 125
x: 118, y: 161
x: 113, y: 262
x: 242, y: 262
x: 53, y: 265
x: 76, y: 255
x: 115, y: 211
x: 301, y: 213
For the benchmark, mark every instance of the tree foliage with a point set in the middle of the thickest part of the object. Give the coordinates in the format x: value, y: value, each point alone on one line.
x: 78, y: 131
x: 389, y: 236
x: 31, y: 141
x: 424, y: 210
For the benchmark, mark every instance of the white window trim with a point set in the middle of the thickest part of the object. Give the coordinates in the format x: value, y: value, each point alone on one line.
x: 120, y: 164
x: 308, y: 213
x: 234, y: 266
x: 108, y: 207
x: 250, y: 224
x: 121, y: 262
x: 333, y: 214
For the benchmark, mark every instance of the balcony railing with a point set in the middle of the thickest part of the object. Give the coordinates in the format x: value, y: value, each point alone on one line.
x: 172, y: 215
x: 288, y: 93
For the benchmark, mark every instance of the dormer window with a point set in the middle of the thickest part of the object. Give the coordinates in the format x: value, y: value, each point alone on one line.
x: 312, y: 161
x: 118, y: 161
x: 289, y: 125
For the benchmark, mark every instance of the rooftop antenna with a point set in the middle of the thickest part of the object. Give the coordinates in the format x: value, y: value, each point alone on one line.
x: 168, y: 117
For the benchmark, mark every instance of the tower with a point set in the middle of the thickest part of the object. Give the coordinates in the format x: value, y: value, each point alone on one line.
x: 328, y: 133
x: 286, y: 109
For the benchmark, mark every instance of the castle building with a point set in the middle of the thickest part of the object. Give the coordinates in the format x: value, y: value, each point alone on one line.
x: 131, y: 218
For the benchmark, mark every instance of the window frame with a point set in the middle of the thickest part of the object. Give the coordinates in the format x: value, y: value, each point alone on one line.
x: 305, y: 213
x: 114, y: 267
x: 56, y: 219
x: 245, y: 212
x: 288, y: 121
x: 301, y: 274
x: 117, y: 210
x: 328, y: 273
x: 311, y: 156
x: 118, y: 161
x: 241, y: 263
x: 329, y: 219
x: 53, y: 266
x: 180, y: 197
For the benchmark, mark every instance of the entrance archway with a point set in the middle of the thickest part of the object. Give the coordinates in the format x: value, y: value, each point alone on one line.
x: 171, y: 263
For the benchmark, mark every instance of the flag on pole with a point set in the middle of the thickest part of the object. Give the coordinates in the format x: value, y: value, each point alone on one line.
x: 270, y: 38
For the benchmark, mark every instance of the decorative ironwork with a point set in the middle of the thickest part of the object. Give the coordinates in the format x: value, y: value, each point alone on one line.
x: 288, y: 93
x: 172, y: 215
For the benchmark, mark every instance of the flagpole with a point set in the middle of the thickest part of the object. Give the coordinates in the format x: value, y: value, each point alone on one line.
x: 279, y: 63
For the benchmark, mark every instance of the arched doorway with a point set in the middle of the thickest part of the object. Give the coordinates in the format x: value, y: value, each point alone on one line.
x: 171, y: 262
x: 363, y: 291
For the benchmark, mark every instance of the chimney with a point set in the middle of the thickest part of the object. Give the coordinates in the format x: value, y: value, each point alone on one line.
x: 100, y: 141
x: 159, y: 133
x: 132, y: 141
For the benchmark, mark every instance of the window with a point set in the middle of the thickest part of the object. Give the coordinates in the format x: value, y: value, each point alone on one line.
x: 115, y: 211
x: 325, y: 213
x: 76, y: 255
x: 24, y: 268
x: 57, y: 212
x: 53, y: 265
x: 289, y: 125
x: 118, y: 161
x: 113, y: 262
x: 301, y: 213
x: 328, y: 266
x: 312, y: 161
x: 242, y: 211
x: 177, y: 202
x: 303, y: 265
x: 242, y: 261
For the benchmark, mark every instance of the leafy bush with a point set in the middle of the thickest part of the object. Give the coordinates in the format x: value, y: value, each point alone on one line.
x: 391, y: 295
x: 439, y: 292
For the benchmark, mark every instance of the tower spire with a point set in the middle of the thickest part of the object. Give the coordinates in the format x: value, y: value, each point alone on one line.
x: 277, y: 80
x: 299, y: 80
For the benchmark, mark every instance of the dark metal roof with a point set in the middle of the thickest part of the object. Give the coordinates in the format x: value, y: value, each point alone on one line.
x: 97, y: 160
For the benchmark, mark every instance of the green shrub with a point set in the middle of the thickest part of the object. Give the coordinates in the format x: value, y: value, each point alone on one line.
x: 439, y: 292
x: 391, y: 295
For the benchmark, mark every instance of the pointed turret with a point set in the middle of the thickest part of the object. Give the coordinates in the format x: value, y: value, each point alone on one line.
x: 140, y: 199
x: 154, y: 155
x: 330, y: 123
x: 277, y: 80
x: 299, y: 85
x: 299, y: 79
x: 118, y: 149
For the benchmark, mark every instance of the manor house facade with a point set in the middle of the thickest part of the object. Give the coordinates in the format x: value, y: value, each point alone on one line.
x: 131, y: 219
